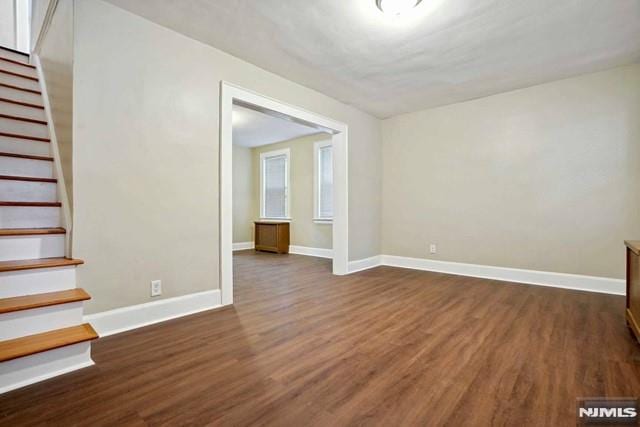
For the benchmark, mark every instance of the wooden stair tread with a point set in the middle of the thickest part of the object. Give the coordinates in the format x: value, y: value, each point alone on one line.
x: 24, y: 89
x: 30, y: 264
x: 8, y: 49
x: 31, y: 204
x: 26, y: 156
x: 27, y: 178
x: 11, y: 73
x: 22, y: 103
x: 633, y: 245
x: 33, y: 344
x: 28, y: 137
x: 28, y: 302
x: 23, y: 119
x: 13, y: 61
x: 31, y: 231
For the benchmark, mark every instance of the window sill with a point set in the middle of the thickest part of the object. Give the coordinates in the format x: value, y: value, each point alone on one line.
x: 276, y: 219
x: 323, y: 221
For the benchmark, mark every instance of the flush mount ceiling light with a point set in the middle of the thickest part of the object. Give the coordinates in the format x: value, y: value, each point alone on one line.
x: 396, y: 7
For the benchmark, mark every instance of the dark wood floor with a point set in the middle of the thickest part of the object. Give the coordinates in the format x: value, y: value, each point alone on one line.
x: 383, y: 347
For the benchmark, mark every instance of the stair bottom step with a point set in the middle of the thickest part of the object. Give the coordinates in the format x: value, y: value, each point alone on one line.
x: 33, y: 344
x: 42, y: 366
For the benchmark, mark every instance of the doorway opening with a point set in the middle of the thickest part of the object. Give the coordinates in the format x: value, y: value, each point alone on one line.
x: 268, y: 194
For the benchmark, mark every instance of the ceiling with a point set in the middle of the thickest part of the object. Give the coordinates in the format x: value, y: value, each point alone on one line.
x: 446, y: 51
x: 252, y: 128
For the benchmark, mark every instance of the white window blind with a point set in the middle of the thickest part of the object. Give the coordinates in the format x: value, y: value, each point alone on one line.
x: 324, y: 179
x: 275, y: 169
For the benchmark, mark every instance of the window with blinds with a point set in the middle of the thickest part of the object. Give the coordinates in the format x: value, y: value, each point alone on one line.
x: 324, y: 181
x: 275, y: 184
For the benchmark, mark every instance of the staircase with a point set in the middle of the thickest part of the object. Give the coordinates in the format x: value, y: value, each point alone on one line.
x: 41, y: 329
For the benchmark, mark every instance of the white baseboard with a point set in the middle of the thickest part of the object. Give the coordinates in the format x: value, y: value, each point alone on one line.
x: 136, y: 316
x: 542, y: 278
x: 365, y: 264
x: 317, y: 252
x: 293, y: 249
x: 241, y: 246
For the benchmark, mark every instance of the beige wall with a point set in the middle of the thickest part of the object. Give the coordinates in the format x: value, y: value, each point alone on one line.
x: 243, y: 213
x: 544, y: 178
x: 7, y: 24
x: 145, y: 148
x: 303, y: 231
x: 56, y: 57
x: 38, y: 13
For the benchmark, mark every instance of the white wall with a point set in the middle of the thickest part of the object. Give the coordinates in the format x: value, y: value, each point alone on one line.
x: 146, y: 156
x: 8, y: 23
x: 544, y: 178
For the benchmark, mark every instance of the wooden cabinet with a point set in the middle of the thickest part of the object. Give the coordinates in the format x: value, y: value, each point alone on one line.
x: 272, y: 236
x: 633, y: 286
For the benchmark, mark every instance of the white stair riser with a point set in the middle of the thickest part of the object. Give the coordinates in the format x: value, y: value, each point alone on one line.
x: 24, y: 128
x: 29, y: 217
x: 20, y: 69
x: 22, y: 111
x: 24, y: 146
x: 14, y: 56
x: 38, y: 367
x: 30, y: 282
x: 29, y: 322
x: 20, y: 95
x: 31, y: 247
x: 27, y: 191
x: 19, y: 81
x: 16, y: 166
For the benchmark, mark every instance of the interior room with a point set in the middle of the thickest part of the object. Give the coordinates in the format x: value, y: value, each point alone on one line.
x: 282, y: 182
x: 329, y: 213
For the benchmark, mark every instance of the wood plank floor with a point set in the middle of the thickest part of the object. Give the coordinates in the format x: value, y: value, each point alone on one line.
x: 385, y: 347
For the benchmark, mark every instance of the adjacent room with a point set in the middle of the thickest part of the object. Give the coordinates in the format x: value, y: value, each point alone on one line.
x: 282, y: 184
x: 329, y: 213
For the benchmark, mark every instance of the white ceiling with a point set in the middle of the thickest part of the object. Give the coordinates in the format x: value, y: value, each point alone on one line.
x: 446, y: 51
x: 252, y: 128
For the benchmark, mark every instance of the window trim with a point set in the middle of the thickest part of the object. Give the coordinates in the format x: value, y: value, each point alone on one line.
x: 287, y: 193
x: 316, y: 181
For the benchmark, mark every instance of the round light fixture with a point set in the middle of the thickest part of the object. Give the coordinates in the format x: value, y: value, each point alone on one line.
x: 396, y: 7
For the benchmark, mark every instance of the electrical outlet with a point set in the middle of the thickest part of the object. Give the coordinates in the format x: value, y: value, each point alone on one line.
x: 156, y: 288
x: 433, y: 248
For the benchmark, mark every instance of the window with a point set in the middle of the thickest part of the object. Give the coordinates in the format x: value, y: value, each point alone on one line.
x: 323, y: 182
x: 274, y: 184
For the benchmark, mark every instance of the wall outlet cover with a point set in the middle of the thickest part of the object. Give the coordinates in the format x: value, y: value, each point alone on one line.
x: 156, y: 288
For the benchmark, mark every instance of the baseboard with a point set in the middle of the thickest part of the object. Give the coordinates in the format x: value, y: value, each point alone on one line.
x: 136, y: 316
x: 532, y: 277
x: 364, y: 264
x: 241, y: 246
x: 317, y: 252
x: 577, y: 282
x: 293, y: 249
